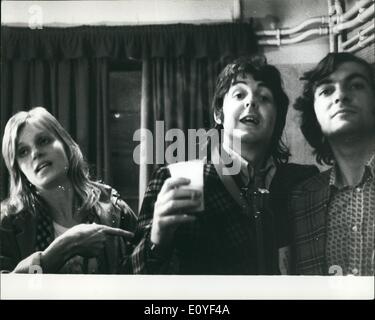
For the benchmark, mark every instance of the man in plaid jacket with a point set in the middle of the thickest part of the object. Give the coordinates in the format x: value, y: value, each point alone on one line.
x: 333, y: 213
x: 243, y: 228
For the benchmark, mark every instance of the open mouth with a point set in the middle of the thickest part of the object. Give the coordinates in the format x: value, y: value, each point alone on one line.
x: 250, y: 119
x: 42, y: 166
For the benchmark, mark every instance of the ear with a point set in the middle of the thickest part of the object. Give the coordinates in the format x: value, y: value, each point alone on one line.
x: 218, y: 117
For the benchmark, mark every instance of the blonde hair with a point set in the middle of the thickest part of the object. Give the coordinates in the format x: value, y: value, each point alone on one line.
x: 22, y: 194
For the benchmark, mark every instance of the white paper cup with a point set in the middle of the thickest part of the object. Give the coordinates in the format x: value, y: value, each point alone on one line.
x: 192, y: 170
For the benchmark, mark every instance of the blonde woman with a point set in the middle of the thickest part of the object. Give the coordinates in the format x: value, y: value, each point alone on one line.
x: 56, y: 219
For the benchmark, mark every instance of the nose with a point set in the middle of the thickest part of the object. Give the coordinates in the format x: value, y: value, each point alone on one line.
x: 250, y: 104
x: 341, y: 94
x: 35, y: 152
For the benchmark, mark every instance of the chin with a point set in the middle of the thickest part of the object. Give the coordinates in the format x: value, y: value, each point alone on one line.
x: 254, y: 138
x: 47, y: 185
x: 51, y: 183
x: 344, y: 128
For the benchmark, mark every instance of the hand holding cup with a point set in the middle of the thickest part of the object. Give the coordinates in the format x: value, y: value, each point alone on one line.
x: 175, y: 205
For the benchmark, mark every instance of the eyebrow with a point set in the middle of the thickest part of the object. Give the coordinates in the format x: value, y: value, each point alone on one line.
x: 20, y: 143
x: 348, y: 78
x: 260, y: 84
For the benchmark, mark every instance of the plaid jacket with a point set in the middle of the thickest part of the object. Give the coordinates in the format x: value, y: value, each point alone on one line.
x: 221, y: 241
x: 309, y: 207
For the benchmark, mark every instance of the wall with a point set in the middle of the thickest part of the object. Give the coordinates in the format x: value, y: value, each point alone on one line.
x: 273, y: 14
x: 367, y: 53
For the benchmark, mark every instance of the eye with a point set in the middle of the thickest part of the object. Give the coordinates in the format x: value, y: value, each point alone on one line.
x: 264, y: 95
x: 264, y: 98
x: 326, y: 91
x: 358, y: 85
x: 44, y: 140
x: 22, y: 152
x: 238, y: 95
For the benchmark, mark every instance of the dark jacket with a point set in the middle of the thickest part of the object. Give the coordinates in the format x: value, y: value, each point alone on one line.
x: 18, y: 235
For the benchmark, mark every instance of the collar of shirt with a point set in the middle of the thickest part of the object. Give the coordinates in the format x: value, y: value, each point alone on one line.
x: 247, y: 173
x: 334, y: 179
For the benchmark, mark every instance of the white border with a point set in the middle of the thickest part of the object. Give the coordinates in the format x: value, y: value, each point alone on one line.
x: 137, y: 287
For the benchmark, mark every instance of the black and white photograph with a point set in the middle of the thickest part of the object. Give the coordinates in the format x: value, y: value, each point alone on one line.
x: 187, y: 150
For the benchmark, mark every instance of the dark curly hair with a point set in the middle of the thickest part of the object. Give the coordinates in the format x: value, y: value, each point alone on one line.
x: 261, y: 71
x: 305, y: 103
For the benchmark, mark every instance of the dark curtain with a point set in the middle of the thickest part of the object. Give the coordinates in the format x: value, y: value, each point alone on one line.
x: 178, y: 92
x: 74, y: 91
x: 137, y: 42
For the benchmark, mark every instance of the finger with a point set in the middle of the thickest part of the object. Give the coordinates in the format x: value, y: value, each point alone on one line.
x: 177, y: 220
x: 183, y: 193
x: 118, y: 232
x: 178, y: 207
x: 172, y: 183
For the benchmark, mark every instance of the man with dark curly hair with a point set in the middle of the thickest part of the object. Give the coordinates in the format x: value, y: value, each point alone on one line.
x: 243, y: 228
x: 333, y: 212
